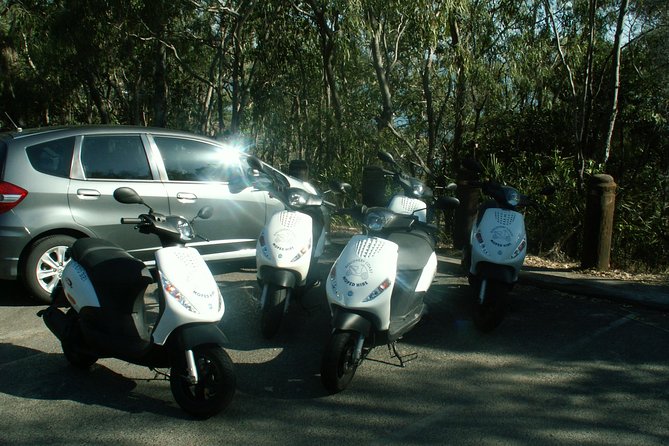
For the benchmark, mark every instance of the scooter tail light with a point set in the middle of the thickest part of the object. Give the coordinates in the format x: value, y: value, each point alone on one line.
x: 174, y: 292
x: 377, y: 292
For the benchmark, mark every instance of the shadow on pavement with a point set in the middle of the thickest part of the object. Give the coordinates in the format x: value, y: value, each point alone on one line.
x: 33, y: 374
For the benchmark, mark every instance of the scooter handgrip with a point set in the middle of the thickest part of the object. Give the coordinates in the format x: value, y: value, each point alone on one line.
x: 131, y: 221
x: 328, y: 204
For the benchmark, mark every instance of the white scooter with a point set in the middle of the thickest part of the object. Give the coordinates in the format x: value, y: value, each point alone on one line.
x: 289, y: 246
x: 413, y: 191
x: 104, y: 287
x: 376, y: 287
x: 497, y: 249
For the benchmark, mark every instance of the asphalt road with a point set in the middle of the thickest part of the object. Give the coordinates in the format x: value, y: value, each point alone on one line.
x: 561, y: 369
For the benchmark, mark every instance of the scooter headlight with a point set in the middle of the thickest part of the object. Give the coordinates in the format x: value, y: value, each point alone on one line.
x: 182, y: 225
x: 297, y: 198
x: 418, y: 188
x: 172, y: 291
x: 377, y: 219
x: 512, y: 196
x: 380, y: 289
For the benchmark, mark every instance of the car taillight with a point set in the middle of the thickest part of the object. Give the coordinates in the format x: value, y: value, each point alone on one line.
x: 10, y: 196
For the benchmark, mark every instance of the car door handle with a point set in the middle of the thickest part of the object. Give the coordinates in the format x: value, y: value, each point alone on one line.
x: 88, y: 194
x: 186, y: 197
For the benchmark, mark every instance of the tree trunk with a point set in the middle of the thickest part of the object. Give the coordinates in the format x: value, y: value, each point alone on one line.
x: 160, y: 87
x: 616, y: 79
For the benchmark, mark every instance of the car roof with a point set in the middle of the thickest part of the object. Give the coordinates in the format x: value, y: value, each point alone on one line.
x: 65, y: 131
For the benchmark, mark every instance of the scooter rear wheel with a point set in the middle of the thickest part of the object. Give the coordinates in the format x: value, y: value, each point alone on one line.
x: 216, y: 382
x: 339, y: 365
x: 74, y: 337
x: 272, y: 312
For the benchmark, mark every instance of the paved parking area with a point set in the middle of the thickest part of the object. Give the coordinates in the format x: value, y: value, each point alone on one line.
x: 561, y: 369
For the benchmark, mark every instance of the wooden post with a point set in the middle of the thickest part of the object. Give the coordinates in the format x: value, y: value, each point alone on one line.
x: 466, y: 212
x: 598, y: 224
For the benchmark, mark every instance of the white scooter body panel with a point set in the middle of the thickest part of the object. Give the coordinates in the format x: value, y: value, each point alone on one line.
x: 364, y: 264
x: 427, y: 276
x: 186, y: 282
x: 286, y: 242
x: 500, y: 239
x: 78, y: 288
x: 408, y: 206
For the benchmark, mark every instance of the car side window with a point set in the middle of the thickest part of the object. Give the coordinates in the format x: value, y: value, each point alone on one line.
x: 52, y: 157
x: 188, y: 160
x: 115, y: 157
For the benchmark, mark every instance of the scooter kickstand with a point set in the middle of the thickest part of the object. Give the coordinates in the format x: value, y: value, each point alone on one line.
x: 403, y: 359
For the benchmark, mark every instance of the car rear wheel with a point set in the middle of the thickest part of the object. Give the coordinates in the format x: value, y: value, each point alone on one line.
x: 44, y: 265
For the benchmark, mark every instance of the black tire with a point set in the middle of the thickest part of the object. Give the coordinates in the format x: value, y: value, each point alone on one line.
x: 271, y: 314
x: 44, y: 265
x: 338, y: 365
x: 74, y: 337
x: 490, y: 314
x: 216, y: 385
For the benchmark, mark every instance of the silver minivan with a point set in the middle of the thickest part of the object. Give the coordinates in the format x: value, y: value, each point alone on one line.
x: 56, y: 185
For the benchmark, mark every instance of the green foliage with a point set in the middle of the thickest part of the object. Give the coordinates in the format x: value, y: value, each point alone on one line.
x: 298, y: 80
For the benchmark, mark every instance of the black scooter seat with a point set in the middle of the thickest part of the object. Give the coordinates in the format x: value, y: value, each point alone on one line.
x: 116, y: 275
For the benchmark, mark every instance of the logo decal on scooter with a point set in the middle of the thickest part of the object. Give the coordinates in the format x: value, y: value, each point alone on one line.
x: 501, y: 236
x: 357, y: 273
x: 283, y: 240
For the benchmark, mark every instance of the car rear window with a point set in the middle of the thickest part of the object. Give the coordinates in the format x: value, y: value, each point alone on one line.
x: 53, y: 157
x: 115, y: 157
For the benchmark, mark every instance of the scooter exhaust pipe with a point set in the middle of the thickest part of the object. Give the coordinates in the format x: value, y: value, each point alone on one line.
x: 56, y: 321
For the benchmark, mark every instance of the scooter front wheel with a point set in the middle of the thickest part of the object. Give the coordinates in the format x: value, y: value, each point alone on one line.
x: 339, y: 363
x: 489, y: 314
x: 216, y: 382
x: 272, y: 311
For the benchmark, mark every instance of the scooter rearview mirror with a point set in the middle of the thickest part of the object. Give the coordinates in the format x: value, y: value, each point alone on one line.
x: 255, y: 163
x: 386, y: 157
x: 340, y: 187
x: 205, y: 213
x: 447, y: 203
x: 127, y: 195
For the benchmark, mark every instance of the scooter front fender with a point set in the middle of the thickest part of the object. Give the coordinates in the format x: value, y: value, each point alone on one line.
x: 189, y: 336
x: 277, y: 276
x: 500, y: 273
x: 347, y: 321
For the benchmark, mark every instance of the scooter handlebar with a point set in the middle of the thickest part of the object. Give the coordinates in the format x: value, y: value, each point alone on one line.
x: 131, y: 221
x: 329, y: 204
